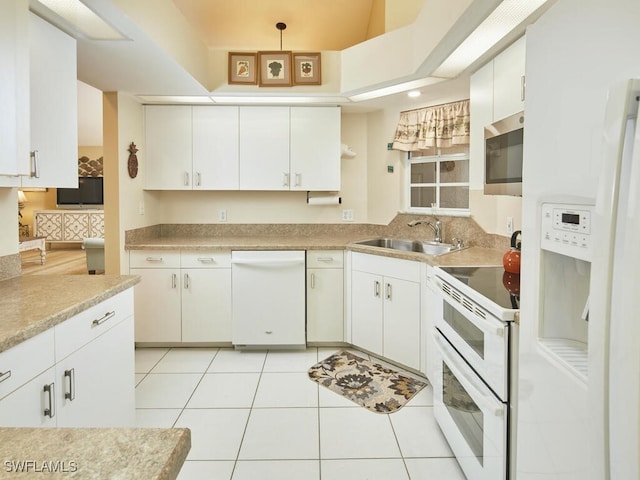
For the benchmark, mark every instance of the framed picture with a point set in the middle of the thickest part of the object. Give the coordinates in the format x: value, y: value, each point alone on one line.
x: 242, y: 68
x: 275, y: 69
x: 306, y: 69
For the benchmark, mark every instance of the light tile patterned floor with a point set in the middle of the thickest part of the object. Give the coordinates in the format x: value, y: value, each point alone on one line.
x: 256, y: 415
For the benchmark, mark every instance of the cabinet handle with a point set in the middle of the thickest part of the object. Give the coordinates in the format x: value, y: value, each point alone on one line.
x: 5, y: 375
x: 154, y: 259
x: 268, y: 332
x: 376, y: 288
x: 198, y: 179
x: 207, y: 260
x: 174, y: 279
x: 186, y: 179
x: 285, y: 179
x: 313, y: 280
x: 325, y: 259
x: 388, y: 291
x: 35, y: 164
x: 50, y: 389
x: 186, y: 281
x: 104, y: 318
x: 523, y: 85
x: 71, y: 375
x: 298, y: 179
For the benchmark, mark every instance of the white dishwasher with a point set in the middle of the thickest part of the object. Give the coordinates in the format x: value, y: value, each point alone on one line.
x: 268, y: 291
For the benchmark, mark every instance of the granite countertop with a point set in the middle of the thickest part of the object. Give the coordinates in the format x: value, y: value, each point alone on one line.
x: 472, y: 256
x: 31, y: 304
x: 93, y: 453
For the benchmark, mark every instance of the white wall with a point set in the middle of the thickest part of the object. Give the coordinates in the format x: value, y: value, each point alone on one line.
x: 8, y: 221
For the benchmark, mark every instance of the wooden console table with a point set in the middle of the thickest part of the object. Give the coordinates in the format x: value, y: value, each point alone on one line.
x: 33, y: 243
x: 68, y: 225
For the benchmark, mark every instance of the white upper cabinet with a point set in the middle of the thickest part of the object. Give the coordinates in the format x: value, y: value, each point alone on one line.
x: 215, y: 148
x: 169, y: 147
x: 14, y: 91
x: 264, y: 148
x: 54, y: 106
x: 508, y: 81
x: 242, y: 148
x: 315, y: 148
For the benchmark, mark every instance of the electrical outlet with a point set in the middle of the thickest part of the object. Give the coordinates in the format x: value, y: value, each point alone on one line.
x: 141, y: 207
x: 222, y: 215
x: 347, y: 215
x: 509, y: 225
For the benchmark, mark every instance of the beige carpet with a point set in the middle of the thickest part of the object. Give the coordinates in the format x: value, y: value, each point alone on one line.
x: 368, y: 384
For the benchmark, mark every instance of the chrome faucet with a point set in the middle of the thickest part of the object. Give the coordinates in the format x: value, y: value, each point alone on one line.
x: 436, y: 227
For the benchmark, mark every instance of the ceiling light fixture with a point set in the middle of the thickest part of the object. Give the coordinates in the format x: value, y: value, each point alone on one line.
x: 414, y: 94
x: 281, y: 26
x: 82, y: 19
x: 392, y: 89
x: 507, y: 16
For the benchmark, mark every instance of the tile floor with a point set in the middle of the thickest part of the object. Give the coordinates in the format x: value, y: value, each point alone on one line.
x: 256, y: 415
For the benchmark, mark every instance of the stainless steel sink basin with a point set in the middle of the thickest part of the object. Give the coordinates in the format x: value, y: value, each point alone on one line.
x: 430, y: 248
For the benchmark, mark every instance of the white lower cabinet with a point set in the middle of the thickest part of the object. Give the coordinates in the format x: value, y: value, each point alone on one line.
x: 325, y: 296
x: 385, y: 307
x: 89, y: 382
x: 183, y: 296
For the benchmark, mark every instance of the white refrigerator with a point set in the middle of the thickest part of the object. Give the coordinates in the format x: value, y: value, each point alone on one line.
x: 582, y: 150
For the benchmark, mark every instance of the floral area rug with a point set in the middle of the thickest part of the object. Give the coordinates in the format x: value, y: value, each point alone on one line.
x: 368, y: 384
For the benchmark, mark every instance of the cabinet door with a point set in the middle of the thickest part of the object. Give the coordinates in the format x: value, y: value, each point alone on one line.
x: 26, y: 406
x: 508, y: 81
x: 206, y: 305
x: 315, y: 148
x: 366, y: 311
x: 49, y: 225
x: 95, y: 384
x: 264, y: 148
x: 402, y: 321
x: 157, y: 305
x: 215, y: 148
x: 325, y: 305
x: 54, y: 106
x: 168, y: 131
x: 14, y: 91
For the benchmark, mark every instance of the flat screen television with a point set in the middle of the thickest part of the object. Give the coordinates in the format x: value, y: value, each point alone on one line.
x: 89, y: 194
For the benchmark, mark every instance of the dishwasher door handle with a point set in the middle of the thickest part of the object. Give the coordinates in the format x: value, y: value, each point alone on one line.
x: 267, y: 262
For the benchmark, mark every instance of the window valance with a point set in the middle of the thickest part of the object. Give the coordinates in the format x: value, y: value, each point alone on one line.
x: 440, y: 126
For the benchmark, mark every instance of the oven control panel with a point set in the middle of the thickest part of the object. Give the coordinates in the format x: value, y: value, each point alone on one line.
x: 566, y: 229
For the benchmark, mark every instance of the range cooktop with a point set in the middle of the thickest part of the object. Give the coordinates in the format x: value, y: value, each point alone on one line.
x: 493, y: 283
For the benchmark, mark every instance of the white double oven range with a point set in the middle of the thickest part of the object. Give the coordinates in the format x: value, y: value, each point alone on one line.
x: 474, y: 363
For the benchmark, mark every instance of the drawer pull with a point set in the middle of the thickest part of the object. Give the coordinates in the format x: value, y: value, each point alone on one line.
x: 325, y: 259
x: 206, y: 260
x: 5, y: 375
x: 268, y: 332
x: 50, y: 389
x: 104, y: 318
x: 313, y: 280
x: 71, y: 375
x: 154, y: 259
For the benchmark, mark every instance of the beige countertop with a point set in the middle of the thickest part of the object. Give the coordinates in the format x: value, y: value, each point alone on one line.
x: 93, y: 453
x: 472, y: 256
x: 31, y: 304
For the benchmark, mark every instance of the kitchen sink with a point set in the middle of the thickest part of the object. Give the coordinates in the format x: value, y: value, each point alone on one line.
x: 428, y: 247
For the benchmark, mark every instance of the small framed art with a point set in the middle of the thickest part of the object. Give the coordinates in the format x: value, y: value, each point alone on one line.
x: 275, y: 69
x: 242, y: 68
x: 306, y: 69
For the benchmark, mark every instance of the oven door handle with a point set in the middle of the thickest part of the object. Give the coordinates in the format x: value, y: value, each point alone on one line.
x: 477, y: 390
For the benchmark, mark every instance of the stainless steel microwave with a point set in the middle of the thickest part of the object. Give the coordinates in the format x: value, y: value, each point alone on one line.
x: 503, y: 149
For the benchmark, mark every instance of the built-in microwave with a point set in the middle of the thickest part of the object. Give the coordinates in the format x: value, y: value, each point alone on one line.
x: 503, y: 148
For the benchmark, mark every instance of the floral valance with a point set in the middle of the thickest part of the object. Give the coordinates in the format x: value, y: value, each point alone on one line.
x: 441, y: 126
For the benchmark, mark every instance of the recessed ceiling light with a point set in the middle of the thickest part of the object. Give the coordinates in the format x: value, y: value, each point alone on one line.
x: 413, y: 93
x: 392, y: 89
x: 83, y: 19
